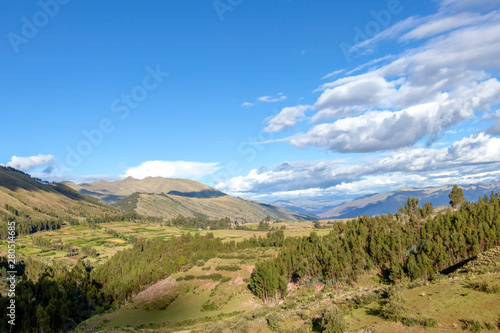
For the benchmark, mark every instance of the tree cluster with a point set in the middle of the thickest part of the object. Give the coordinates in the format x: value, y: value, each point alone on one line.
x: 417, y: 245
x: 56, y: 300
x: 199, y: 222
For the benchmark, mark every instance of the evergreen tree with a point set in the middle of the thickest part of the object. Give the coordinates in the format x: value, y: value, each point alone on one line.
x: 456, y: 196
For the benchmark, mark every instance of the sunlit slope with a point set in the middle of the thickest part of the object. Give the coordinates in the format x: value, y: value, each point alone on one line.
x: 26, y: 198
x: 171, y: 205
x: 111, y: 192
x: 167, y: 197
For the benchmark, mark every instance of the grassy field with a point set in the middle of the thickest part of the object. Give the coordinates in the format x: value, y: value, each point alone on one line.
x: 107, y: 245
x: 175, y: 299
x: 213, y: 296
x: 459, y: 302
x: 448, y: 302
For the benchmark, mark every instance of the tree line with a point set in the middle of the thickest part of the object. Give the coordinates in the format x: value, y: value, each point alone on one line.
x: 415, y: 243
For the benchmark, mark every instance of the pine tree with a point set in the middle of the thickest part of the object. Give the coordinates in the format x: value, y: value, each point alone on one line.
x: 456, y: 196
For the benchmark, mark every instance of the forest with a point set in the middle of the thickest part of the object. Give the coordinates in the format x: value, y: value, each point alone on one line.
x: 416, y: 243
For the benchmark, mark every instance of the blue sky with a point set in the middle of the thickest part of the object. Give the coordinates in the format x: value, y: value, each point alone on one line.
x: 266, y: 100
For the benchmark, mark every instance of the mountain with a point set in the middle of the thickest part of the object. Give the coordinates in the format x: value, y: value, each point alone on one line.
x: 111, y: 192
x: 383, y: 203
x: 306, y: 206
x: 166, y: 197
x: 32, y: 200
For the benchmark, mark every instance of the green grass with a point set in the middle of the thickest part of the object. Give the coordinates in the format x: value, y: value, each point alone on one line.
x: 227, y: 295
x: 447, y: 301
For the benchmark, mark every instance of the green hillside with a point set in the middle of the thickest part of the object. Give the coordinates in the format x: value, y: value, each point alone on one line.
x: 172, y: 205
x: 168, y: 198
x: 36, y: 205
x: 111, y: 192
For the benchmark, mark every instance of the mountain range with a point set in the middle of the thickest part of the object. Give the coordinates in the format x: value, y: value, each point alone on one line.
x: 168, y: 197
x: 383, y: 203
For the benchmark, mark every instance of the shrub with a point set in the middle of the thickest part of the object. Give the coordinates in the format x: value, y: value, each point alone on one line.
x: 273, y: 321
x: 471, y: 325
x: 229, y: 268
x: 361, y: 300
x: 414, y: 321
x: 394, y: 309
x: 489, y: 326
x: 333, y: 321
x: 187, y: 267
x: 209, y: 306
x: 484, y: 287
x: 162, y: 303
x: 304, y: 315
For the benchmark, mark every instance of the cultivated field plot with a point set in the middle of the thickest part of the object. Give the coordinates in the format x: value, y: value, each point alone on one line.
x: 208, y: 291
x: 107, y: 244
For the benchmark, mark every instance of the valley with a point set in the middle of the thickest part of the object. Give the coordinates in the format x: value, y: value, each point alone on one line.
x: 422, y: 269
x: 234, y: 166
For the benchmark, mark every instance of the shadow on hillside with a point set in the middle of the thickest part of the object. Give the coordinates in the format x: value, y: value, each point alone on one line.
x: 199, y: 194
x: 456, y: 267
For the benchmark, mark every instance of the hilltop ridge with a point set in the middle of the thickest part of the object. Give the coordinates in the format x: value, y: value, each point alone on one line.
x: 170, y: 197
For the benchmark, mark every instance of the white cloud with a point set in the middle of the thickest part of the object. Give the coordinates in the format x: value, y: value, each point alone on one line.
x: 495, y: 128
x: 444, y: 24
x: 247, y: 105
x: 60, y: 177
x: 287, y: 117
x: 472, y: 159
x: 468, y: 4
x: 31, y: 162
x: 269, y: 99
x: 334, y: 73
x: 416, y: 95
x: 265, y: 99
x: 172, y: 169
x: 354, y: 97
x: 389, y: 33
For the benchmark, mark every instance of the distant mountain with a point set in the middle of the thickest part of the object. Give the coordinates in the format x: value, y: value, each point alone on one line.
x: 309, y: 206
x: 32, y: 200
x: 384, y: 203
x: 166, y: 197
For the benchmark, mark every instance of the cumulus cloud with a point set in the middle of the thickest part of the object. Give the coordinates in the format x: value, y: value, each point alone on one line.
x: 394, y: 109
x: 287, y: 117
x: 353, y: 97
x: 384, y: 130
x: 473, y: 159
x: 416, y: 95
x: 172, y: 169
x: 31, y: 162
